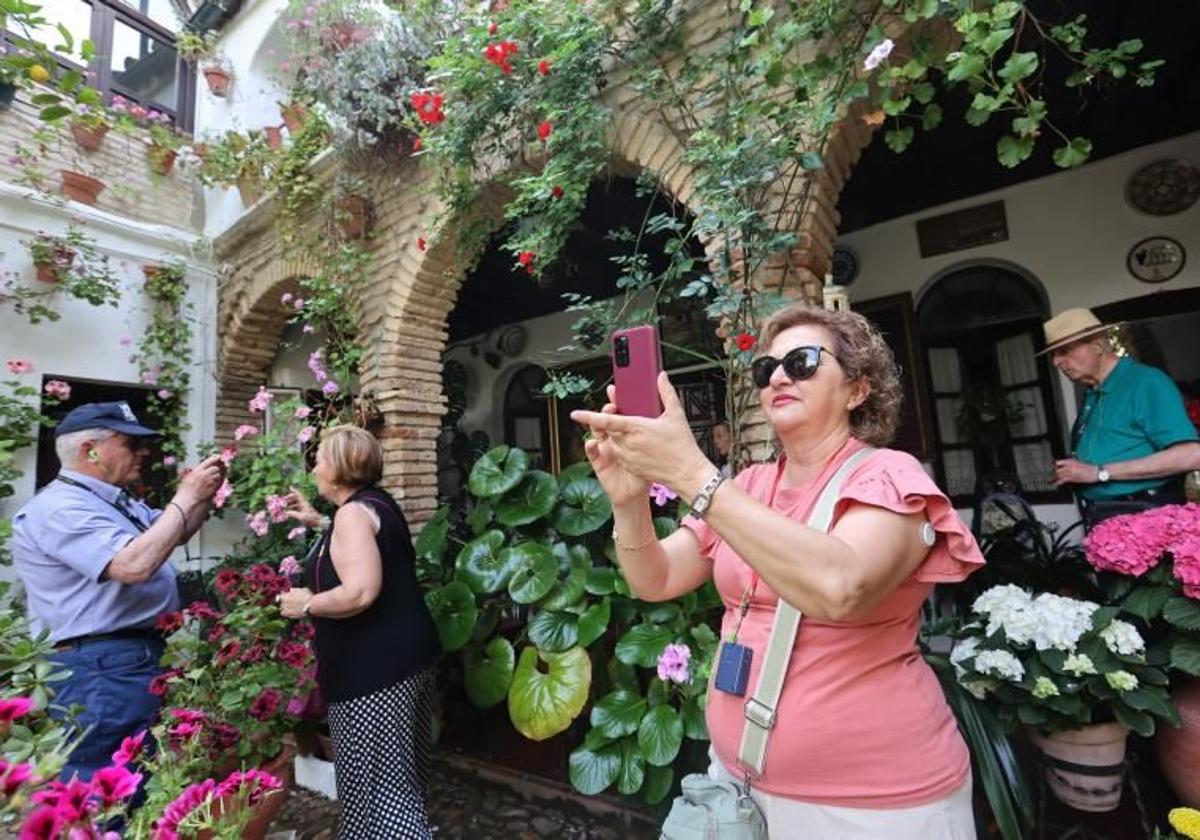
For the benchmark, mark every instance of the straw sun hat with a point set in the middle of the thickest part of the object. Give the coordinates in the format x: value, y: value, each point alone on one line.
x: 1070, y: 326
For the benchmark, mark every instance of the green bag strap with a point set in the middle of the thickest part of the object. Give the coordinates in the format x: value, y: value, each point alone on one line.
x: 760, y: 708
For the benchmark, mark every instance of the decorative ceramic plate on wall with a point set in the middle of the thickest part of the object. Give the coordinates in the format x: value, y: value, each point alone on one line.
x: 1164, y: 187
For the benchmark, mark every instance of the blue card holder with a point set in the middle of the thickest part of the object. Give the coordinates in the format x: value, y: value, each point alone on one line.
x: 733, y: 668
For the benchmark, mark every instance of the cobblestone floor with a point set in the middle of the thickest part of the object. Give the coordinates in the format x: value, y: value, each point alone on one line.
x: 464, y: 805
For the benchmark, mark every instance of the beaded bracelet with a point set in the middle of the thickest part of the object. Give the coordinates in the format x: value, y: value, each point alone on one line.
x: 653, y: 539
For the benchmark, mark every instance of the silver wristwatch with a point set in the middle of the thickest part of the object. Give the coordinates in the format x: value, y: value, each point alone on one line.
x: 703, y: 499
x: 1102, y: 474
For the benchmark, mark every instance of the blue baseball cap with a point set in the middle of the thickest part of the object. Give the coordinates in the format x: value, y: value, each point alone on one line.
x: 117, y: 416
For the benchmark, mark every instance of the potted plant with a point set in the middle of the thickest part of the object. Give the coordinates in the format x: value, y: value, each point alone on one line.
x: 294, y: 114
x: 164, y: 143
x: 89, y: 125
x: 1149, y: 564
x: 1074, y: 674
x: 238, y: 160
x: 165, y: 282
x: 52, y: 257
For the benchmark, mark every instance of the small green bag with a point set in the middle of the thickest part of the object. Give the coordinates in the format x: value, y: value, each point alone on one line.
x: 707, y: 809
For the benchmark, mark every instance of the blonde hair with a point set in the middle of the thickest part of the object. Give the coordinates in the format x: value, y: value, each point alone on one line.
x: 863, y: 354
x: 354, y: 454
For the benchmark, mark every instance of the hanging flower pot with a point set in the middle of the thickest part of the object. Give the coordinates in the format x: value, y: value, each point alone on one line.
x: 163, y: 282
x: 294, y: 116
x: 1178, y: 750
x: 8, y: 93
x: 1085, y: 768
x: 161, y: 158
x: 79, y: 187
x: 274, y: 137
x: 88, y: 136
x: 250, y: 188
x: 219, y: 80
x: 51, y: 269
x: 353, y: 214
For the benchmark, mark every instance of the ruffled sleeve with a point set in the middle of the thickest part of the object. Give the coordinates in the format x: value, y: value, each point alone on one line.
x: 895, y: 481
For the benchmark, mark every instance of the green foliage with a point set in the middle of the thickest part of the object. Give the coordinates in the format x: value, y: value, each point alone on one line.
x: 165, y: 354
x: 531, y: 576
x: 75, y: 267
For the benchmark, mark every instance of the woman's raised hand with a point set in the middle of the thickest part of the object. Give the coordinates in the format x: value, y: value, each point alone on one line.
x: 301, y: 509
x: 628, y: 453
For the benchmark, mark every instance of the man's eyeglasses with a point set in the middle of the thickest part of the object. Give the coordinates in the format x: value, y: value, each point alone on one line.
x: 799, y: 363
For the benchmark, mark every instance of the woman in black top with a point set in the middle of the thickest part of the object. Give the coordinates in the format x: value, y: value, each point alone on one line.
x: 376, y: 643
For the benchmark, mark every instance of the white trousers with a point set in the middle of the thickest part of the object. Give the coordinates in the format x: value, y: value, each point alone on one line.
x: 950, y: 818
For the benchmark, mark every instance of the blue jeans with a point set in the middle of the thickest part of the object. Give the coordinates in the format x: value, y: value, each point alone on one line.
x: 110, y: 679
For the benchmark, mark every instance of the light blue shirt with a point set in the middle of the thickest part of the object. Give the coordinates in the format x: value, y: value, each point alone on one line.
x: 63, y: 539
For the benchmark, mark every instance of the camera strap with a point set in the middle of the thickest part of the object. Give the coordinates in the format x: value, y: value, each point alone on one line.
x: 760, y: 708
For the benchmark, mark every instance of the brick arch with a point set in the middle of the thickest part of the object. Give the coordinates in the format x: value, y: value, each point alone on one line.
x: 252, y: 322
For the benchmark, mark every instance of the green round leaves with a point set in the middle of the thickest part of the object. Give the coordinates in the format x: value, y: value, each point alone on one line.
x: 619, y: 713
x: 553, y: 630
x: 593, y: 622
x: 529, y: 501
x: 642, y: 644
x: 592, y: 771
x: 535, y: 571
x: 659, y: 735
x: 498, y: 471
x: 482, y: 565
x: 488, y: 672
x: 583, y: 507
x: 453, y: 609
x: 541, y: 705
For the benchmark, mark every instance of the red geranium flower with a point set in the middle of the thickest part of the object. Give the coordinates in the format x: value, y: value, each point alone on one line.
x: 428, y: 106
x: 745, y: 341
x: 544, y: 130
x: 544, y: 67
x: 416, y: 144
x: 420, y: 243
x: 160, y: 684
x: 227, y: 582
x: 526, y: 259
x: 492, y: 27
x: 556, y: 191
x: 498, y: 54
x: 168, y: 622
x: 265, y: 704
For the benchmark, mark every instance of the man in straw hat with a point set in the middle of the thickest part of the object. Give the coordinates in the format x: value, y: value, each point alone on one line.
x: 1132, y: 441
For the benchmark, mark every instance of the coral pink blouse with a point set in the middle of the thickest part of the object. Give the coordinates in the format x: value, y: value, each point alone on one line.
x: 862, y: 721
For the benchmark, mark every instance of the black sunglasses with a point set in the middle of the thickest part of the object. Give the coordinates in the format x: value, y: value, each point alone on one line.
x: 799, y: 363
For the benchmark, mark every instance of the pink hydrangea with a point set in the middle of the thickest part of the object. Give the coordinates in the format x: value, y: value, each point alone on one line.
x: 1186, y: 554
x: 673, y: 664
x: 244, y: 430
x: 18, y: 367
x: 261, y: 400
x: 259, y: 523
x: 223, y: 493
x: 1129, y: 545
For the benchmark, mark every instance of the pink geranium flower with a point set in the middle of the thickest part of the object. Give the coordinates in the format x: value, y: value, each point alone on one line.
x: 223, y: 493
x: 245, y: 430
x: 19, y: 366
x: 261, y: 400
x: 130, y: 748
x: 113, y: 784
x: 12, y: 708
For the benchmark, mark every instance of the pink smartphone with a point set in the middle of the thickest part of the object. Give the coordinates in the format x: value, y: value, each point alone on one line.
x: 637, y: 360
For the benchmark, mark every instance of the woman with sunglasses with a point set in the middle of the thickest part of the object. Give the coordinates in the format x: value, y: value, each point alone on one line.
x: 864, y: 745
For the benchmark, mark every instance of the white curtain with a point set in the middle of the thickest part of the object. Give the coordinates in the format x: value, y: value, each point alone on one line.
x: 1016, y: 360
x: 1033, y: 418
x: 1035, y: 465
x: 944, y: 370
x: 960, y: 471
x: 947, y: 412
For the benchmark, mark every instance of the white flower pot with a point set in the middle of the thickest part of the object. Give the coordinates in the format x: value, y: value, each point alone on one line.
x: 1085, y: 768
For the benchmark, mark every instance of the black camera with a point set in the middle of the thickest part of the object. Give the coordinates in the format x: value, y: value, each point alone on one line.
x: 621, y: 351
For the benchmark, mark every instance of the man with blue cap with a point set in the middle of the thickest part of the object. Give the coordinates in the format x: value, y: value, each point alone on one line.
x: 94, y: 563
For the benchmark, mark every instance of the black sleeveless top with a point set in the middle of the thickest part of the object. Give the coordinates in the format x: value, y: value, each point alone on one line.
x: 393, y: 638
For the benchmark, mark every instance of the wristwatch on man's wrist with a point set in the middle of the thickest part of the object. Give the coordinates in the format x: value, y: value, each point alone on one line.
x: 703, y: 499
x: 1102, y: 474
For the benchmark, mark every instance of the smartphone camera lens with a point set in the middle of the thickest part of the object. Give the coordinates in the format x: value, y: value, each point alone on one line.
x: 621, y: 351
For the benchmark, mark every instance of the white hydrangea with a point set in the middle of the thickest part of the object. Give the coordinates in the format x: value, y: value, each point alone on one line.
x: 1122, y: 680
x: 1044, y: 687
x: 964, y: 649
x: 1060, y: 621
x: 1079, y: 664
x: 1123, y: 638
x: 1007, y: 607
x: 1001, y: 663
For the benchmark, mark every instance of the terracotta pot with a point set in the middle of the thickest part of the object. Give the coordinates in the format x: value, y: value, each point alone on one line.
x: 200, y: 150
x: 265, y: 812
x: 1178, y: 750
x: 274, y: 137
x: 294, y: 116
x: 353, y: 215
x: 250, y: 189
x: 1085, y: 768
x: 49, y: 270
x: 219, y: 80
x: 79, y: 187
x: 87, y: 137
x: 161, y: 159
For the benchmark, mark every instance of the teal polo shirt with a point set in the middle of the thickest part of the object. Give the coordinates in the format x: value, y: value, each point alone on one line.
x: 1136, y: 411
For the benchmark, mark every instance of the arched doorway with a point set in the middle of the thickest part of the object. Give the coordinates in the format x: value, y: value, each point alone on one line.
x: 994, y: 406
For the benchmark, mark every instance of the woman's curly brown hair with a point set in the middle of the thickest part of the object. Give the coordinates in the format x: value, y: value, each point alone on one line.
x: 863, y: 354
